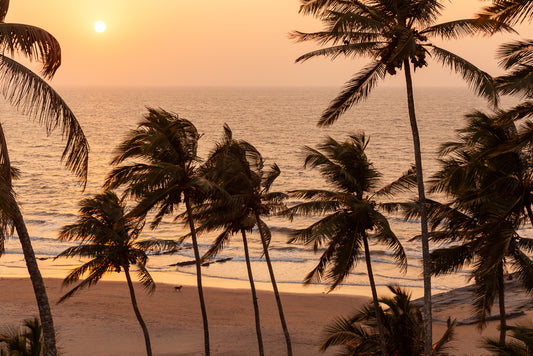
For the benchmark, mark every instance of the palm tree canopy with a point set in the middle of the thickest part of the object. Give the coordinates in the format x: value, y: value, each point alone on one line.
x: 348, y: 212
x: 32, y: 95
x: 28, y: 342
x: 109, y: 237
x: 487, y: 180
x: 237, y: 168
x: 510, y: 11
x: 390, y: 32
x: 404, y: 329
x: 165, y: 146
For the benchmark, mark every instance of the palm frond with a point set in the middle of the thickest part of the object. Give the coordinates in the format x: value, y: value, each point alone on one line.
x: 145, y: 278
x: 32, y: 42
x: 158, y: 245
x: 509, y: 11
x: 97, y: 270
x: 325, y: 37
x: 467, y: 27
x: 477, y: 79
x: 34, y: 97
x: 514, y: 53
x: 354, y: 91
x: 348, y: 50
x: 405, y: 183
x: 518, y: 81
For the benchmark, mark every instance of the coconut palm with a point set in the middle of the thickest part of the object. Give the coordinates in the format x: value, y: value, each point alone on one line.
x: 510, y: 11
x: 489, y: 191
x: 522, y: 345
x: 109, y: 237
x: 349, y: 211
x: 515, y: 57
x: 237, y: 168
x: 395, y: 34
x: 167, y: 176
x: 28, y: 342
x: 403, y: 324
x: 32, y: 95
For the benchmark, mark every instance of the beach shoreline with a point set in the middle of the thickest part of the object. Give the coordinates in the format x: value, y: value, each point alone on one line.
x: 100, y: 320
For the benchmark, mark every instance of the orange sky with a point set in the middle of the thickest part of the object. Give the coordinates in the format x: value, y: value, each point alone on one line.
x: 208, y: 42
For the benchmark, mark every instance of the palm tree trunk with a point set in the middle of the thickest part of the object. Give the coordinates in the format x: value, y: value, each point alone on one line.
x: 37, y: 282
x: 198, y: 273
x: 138, y: 313
x: 428, y: 335
x: 501, y: 302
x: 375, y: 300
x: 274, y: 287
x: 254, y: 295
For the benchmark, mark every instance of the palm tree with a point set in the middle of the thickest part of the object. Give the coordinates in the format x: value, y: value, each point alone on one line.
x: 27, y: 342
x: 403, y: 324
x: 394, y: 33
x: 31, y: 94
x: 349, y: 214
x: 522, y: 345
x: 489, y: 187
x: 168, y: 176
x: 108, y: 236
x: 516, y: 57
x: 509, y: 11
x: 237, y: 168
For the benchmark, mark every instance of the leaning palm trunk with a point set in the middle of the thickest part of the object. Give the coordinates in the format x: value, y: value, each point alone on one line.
x: 501, y: 302
x: 423, y: 216
x: 275, y: 287
x: 375, y: 300
x: 254, y: 295
x: 138, y: 313
x: 198, y: 273
x: 39, y: 289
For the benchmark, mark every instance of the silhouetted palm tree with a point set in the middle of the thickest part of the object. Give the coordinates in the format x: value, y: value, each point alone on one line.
x: 509, y: 11
x: 108, y: 237
x: 490, y: 195
x: 515, y: 57
x: 350, y: 215
x: 26, y: 342
x: 31, y: 94
x: 394, y: 34
x: 404, y: 327
x: 237, y: 168
x: 522, y: 345
x: 167, y: 176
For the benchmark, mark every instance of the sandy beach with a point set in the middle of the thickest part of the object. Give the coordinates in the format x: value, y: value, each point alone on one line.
x: 100, y: 321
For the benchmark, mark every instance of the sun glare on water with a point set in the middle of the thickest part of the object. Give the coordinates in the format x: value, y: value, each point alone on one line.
x: 99, y: 26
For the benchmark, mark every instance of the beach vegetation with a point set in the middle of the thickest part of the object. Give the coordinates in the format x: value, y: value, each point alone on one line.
x: 349, y: 214
x: 520, y: 345
x: 108, y: 238
x: 395, y: 35
x: 237, y: 168
x: 23, y: 342
x: 31, y: 94
x: 403, y: 325
x: 157, y: 164
x: 488, y: 184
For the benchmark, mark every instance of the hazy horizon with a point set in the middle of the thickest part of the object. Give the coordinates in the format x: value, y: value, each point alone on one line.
x: 208, y: 43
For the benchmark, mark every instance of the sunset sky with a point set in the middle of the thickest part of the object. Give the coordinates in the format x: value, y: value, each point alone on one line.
x: 209, y: 43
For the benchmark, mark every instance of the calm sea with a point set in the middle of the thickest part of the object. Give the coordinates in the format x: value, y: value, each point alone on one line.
x: 278, y: 121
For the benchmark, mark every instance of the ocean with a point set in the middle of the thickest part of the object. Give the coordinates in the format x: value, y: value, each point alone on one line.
x: 278, y: 122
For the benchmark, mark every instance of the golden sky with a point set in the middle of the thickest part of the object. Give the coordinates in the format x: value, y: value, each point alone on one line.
x: 209, y: 43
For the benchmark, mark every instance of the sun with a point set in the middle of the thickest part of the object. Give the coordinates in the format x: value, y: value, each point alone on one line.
x: 99, y: 26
